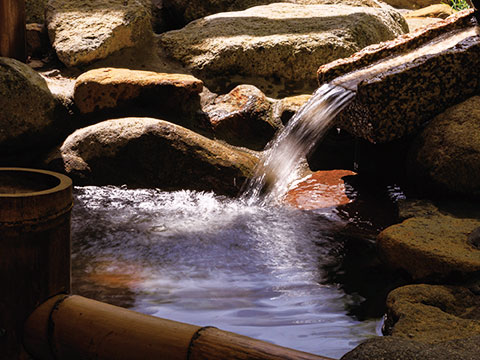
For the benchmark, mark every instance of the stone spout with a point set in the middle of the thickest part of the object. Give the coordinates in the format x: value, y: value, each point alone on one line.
x: 403, y: 83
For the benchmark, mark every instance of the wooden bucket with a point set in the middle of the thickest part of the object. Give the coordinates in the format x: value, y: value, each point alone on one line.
x: 35, y: 208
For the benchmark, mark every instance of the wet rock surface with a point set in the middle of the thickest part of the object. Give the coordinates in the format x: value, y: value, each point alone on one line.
x: 322, y: 189
x: 35, y: 11
x: 280, y: 41
x: 287, y: 107
x: 83, y: 32
x: 243, y: 117
x: 445, y: 158
x: 144, y: 152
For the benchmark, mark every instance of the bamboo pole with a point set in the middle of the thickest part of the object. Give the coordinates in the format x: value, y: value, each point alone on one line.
x: 12, y: 29
x: 74, y: 328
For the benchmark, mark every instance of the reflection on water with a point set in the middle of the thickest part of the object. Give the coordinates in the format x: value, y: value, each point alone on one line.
x: 208, y: 260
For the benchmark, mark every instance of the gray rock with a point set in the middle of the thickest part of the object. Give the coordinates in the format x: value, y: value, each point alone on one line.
x: 145, y: 152
x: 82, y: 32
x: 279, y: 41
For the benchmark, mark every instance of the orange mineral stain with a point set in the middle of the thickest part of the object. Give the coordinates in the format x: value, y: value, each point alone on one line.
x: 322, y: 189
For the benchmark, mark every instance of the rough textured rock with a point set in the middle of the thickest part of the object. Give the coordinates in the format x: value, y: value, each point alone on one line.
x: 287, y: 107
x: 411, y: 4
x: 415, y: 23
x: 184, y: 11
x: 436, y: 11
x: 432, y: 313
x: 82, y: 32
x: 146, y: 152
x: 243, y: 117
x: 28, y: 109
x: 398, y: 100
x: 35, y: 11
x: 445, y: 157
x: 282, y: 41
x: 399, y: 45
x: 106, y: 88
x: 436, y: 246
x: 390, y: 348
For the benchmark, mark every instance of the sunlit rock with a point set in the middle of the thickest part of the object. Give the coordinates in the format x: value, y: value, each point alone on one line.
x: 431, y: 247
x: 28, y: 110
x: 395, y: 97
x: 411, y: 4
x: 287, y: 107
x: 82, y: 32
x: 436, y: 11
x: 242, y: 117
x: 182, y: 12
x: 281, y: 42
x: 108, y: 88
x: 445, y: 158
x: 145, y: 152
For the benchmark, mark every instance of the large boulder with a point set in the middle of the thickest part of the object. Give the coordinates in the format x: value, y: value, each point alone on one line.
x: 282, y: 42
x: 395, y: 98
x: 145, y: 152
x: 243, y: 117
x: 445, y: 157
x: 82, y: 32
x: 431, y: 247
x: 28, y: 109
x: 432, y: 313
x: 182, y: 12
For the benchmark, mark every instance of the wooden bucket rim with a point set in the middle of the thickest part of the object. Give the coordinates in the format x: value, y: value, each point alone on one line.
x: 65, y: 182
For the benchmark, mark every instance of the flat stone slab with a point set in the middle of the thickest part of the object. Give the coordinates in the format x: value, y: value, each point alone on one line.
x: 432, y: 247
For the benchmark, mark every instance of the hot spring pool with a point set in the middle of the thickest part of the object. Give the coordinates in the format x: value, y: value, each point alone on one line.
x: 209, y: 260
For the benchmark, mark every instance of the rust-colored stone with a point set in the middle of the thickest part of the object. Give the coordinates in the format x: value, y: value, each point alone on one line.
x: 322, y: 189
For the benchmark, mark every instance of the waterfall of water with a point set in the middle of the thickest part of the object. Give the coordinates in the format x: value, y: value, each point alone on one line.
x: 283, y: 157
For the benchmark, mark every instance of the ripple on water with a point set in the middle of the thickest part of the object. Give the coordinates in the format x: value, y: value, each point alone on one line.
x: 210, y: 260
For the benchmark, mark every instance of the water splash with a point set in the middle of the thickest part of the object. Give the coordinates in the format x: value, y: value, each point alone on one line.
x: 283, y: 159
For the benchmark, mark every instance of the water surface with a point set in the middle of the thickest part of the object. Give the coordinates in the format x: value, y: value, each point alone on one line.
x: 209, y: 260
